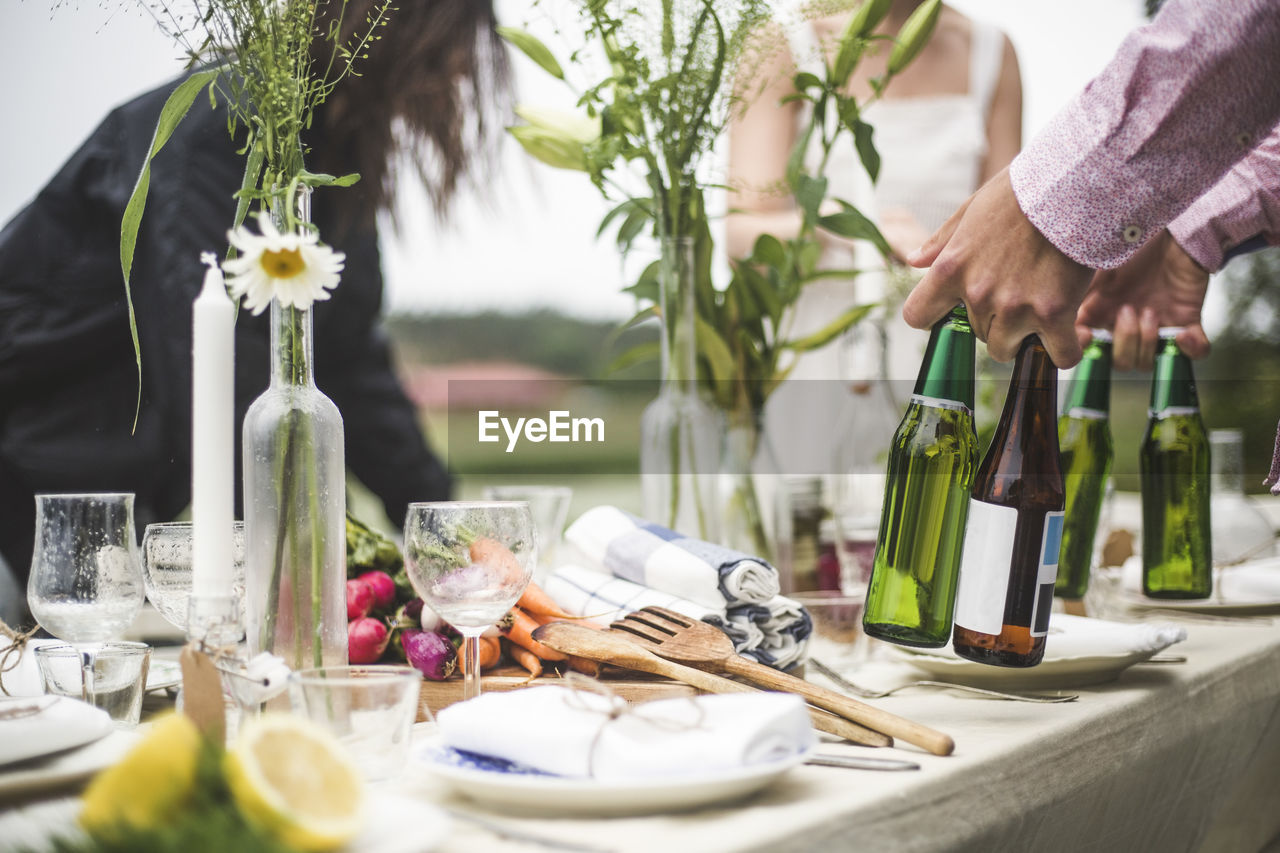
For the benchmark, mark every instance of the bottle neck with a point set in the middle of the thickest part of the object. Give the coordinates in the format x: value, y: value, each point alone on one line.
x: 677, y: 281
x: 291, y: 346
x: 1025, y: 443
x: 948, y: 367
x: 1173, y: 386
x: 1090, y: 393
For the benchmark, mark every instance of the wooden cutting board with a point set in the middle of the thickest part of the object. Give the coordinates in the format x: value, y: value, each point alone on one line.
x: 631, y: 686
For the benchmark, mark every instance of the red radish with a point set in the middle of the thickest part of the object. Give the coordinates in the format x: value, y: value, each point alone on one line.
x: 360, y: 599
x: 429, y: 653
x: 366, y: 640
x: 384, y: 588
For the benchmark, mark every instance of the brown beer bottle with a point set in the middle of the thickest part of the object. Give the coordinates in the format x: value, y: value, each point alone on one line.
x: 1014, y: 534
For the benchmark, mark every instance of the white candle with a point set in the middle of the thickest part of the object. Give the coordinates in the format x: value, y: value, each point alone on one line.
x: 212, y: 436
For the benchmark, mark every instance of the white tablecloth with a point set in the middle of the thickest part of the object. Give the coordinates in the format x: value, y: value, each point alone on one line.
x: 1168, y: 758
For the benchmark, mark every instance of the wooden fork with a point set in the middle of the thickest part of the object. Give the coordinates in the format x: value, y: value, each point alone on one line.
x: 702, y: 646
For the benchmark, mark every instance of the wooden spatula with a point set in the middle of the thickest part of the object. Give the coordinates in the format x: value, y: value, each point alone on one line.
x: 697, y: 644
x: 574, y: 639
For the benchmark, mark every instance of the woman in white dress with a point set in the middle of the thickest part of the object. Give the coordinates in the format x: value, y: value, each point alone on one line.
x: 946, y: 123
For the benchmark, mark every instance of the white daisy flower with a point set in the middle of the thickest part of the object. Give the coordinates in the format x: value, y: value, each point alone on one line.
x: 297, y: 269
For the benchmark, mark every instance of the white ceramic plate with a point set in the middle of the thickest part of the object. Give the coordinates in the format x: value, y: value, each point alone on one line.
x: 163, y: 674
x: 34, y: 726
x: 1051, y: 673
x: 495, y: 782
x: 38, y: 776
x: 1208, y: 606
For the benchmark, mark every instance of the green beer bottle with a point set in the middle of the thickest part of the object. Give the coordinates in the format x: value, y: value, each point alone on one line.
x: 1011, y: 551
x: 931, y: 463
x: 1177, y: 544
x: 1084, y: 443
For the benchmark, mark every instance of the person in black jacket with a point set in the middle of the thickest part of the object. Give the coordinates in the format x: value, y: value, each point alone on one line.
x: 426, y: 95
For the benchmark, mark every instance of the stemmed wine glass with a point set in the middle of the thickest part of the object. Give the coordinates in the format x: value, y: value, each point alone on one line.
x: 470, y: 561
x: 86, y: 582
x: 166, y: 568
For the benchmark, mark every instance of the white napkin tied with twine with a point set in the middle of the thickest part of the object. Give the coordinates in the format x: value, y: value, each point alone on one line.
x: 579, y: 733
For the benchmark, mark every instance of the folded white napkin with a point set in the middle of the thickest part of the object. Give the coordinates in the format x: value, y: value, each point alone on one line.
x: 1254, y: 582
x: 651, y: 555
x: 583, y: 734
x: 33, y: 726
x: 1081, y: 637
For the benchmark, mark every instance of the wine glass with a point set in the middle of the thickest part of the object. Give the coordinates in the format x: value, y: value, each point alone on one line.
x: 550, y: 508
x: 166, y: 568
x: 470, y: 561
x: 86, y: 583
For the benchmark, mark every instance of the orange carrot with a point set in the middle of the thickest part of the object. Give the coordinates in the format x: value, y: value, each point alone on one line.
x: 542, y: 619
x: 536, y: 602
x: 521, y: 633
x: 584, y: 666
x: 526, y: 659
x: 490, y: 651
x: 492, y: 553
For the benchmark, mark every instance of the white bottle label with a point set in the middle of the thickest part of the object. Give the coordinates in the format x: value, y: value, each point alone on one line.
x: 1050, y: 548
x: 984, y: 567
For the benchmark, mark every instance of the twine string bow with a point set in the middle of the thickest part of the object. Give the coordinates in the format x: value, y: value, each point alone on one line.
x: 580, y: 685
x: 11, y: 654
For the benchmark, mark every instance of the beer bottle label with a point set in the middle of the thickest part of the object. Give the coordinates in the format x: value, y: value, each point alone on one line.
x: 984, y: 566
x: 987, y: 564
x: 1170, y: 411
x: 941, y: 403
x: 1050, y: 548
x: 1086, y: 414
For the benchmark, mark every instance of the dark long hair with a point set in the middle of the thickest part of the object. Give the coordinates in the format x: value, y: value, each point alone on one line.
x: 429, y: 95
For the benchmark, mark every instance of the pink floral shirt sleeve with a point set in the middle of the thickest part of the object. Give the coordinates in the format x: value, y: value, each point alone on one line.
x: 1184, y: 98
x: 1243, y: 205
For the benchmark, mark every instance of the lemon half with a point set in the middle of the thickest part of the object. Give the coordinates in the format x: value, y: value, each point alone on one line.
x: 294, y: 780
x: 155, y: 779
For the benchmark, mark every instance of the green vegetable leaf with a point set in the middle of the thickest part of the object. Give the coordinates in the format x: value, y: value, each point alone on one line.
x: 831, y: 331
x: 866, y: 148
x: 531, y: 47
x: 171, y: 114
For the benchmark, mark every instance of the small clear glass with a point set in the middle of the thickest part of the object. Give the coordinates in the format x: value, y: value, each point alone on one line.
x: 166, y: 568
x: 470, y: 561
x: 370, y: 709
x: 119, y: 676
x: 86, y: 584
x: 1240, y: 530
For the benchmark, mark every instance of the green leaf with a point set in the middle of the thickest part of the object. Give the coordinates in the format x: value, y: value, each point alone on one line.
x: 795, y: 162
x: 852, y: 224
x: 768, y: 250
x: 171, y: 114
x: 647, y: 286
x: 551, y: 148
x: 866, y: 148
x: 319, y: 179
x: 831, y: 331
x: 635, y: 222
x: 810, y: 192
x: 531, y: 47
x: 804, y: 80
x: 914, y: 35
x: 763, y: 291
x: 638, y: 354
x: 714, y: 350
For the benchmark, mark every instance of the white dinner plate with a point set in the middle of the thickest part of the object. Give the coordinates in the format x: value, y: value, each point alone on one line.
x: 35, y: 726
x: 37, y: 776
x: 163, y: 674
x: 496, y: 782
x: 1210, y: 606
x: 1050, y: 674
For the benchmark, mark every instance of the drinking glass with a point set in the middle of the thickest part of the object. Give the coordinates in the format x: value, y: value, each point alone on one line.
x: 550, y: 508
x: 470, y: 561
x: 370, y: 709
x: 86, y: 583
x: 119, y: 676
x: 166, y: 568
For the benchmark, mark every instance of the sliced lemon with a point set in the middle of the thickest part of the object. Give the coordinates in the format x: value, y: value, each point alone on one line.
x: 294, y: 780
x: 150, y: 783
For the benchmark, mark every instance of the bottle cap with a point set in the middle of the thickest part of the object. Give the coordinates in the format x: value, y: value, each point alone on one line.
x: 1101, y: 335
x: 1167, y: 332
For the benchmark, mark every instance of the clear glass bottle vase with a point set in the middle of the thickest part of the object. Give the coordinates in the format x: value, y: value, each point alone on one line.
x: 295, y: 503
x: 681, y: 430
x: 748, y: 477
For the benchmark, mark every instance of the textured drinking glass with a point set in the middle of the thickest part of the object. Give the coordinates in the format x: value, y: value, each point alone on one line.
x: 166, y: 568
x: 470, y: 561
x: 550, y: 508
x: 837, y: 639
x: 370, y: 709
x: 119, y: 676
x: 86, y: 583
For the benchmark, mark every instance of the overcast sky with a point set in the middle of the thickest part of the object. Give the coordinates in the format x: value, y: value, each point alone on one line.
x: 531, y: 241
